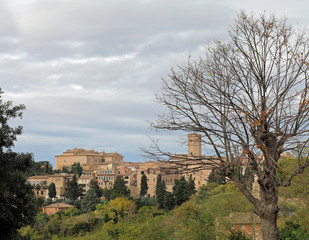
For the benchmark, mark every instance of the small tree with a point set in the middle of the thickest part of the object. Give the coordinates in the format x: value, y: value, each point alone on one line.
x: 77, y: 169
x: 160, y: 191
x: 90, y: 201
x: 73, y: 191
x: 52, y: 190
x: 144, y: 186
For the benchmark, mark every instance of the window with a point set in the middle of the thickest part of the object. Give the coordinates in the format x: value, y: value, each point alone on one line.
x: 154, y: 172
x: 77, y: 159
x: 154, y: 179
x: 64, y: 160
x: 242, y: 227
x: 84, y: 160
x: 142, y: 172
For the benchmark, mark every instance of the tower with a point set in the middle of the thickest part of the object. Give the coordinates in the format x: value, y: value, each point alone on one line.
x: 194, y: 144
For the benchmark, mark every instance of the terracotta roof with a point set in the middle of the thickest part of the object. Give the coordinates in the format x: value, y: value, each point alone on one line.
x: 60, y: 205
x: 39, y: 177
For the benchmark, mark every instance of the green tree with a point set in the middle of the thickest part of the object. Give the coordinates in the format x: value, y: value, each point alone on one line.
x: 190, y: 187
x: 73, y: 191
x: 77, y: 169
x: 120, y: 189
x: 90, y: 201
x: 18, y: 203
x: 160, y: 191
x: 216, y: 176
x: 52, y: 190
x: 168, y: 201
x: 293, y: 231
x: 179, y: 191
x: 144, y: 186
x: 94, y: 184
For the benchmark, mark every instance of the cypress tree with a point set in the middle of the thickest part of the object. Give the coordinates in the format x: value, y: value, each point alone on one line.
x: 90, y: 201
x: 144, y: 185
x: 160, y: 191
x: 74, y: 191
x: 179, y: 191
x: 52, y: 190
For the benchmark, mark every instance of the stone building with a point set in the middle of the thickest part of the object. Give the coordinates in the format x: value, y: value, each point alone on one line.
x: 86, y: 157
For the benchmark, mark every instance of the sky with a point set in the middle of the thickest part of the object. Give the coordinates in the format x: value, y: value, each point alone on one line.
x: 88, y: 71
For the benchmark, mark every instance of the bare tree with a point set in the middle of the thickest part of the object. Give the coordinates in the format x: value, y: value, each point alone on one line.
x: 249, y: 100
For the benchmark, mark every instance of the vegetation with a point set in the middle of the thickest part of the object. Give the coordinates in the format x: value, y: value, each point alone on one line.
x: 74, y: 191
x: 160, y: 191
x: 18, y: 205
x: 119, y: 190
x: 52, y: 190
x: 144, y: 186
x: 77, y: 169
x: 90, y: 201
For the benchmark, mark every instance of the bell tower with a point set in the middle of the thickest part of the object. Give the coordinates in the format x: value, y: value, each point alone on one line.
x: 194, y: 144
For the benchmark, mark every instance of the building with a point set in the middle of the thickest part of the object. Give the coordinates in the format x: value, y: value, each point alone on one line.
x: 168, y: 172
x: 84, y: 181
x: 86, y: 157
x: 40, y: 185
x: 194, y: 163
x: 56, y: 207
x: 247, y: 222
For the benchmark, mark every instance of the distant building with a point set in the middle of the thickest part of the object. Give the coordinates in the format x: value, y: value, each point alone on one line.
x: 56, y: 207
x: 168, y: 172
x: 247, y: 222
x: 86, y: 157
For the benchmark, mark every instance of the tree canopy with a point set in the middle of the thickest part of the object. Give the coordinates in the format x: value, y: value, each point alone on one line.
x: 18, y: 203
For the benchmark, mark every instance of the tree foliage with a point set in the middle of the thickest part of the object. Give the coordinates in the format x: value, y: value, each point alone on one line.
x: 120, y: 189
x: 52, y: 190
x: 144, y: 186
x: 90, y: 201
x: 74, y: 191
x: 249, y: 99
x: 18, y: 204
x: 77, y: 169
x: 160, y: 191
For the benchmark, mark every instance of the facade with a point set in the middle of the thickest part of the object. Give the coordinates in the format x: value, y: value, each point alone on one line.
x: 40, y: 186
x: 106, y: 175
x: 167, y: 171
x: 84, y: 181
x: 86, y: 157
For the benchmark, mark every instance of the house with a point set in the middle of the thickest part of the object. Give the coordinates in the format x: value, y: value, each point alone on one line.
x: 247, y: 222
x: 56, y: 207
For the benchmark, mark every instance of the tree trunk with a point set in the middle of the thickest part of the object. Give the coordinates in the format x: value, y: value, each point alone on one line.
x: 268, y: 213
x: 269, y: 226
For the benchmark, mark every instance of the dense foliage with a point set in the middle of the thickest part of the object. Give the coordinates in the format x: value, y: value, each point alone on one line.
x: 18, y: 204
x: 52, y: 190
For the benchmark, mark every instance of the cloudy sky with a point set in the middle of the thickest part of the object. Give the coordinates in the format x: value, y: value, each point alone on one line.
x: 87, y: 70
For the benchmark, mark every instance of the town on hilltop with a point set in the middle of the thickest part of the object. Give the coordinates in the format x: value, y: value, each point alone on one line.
x: 106, y: 167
